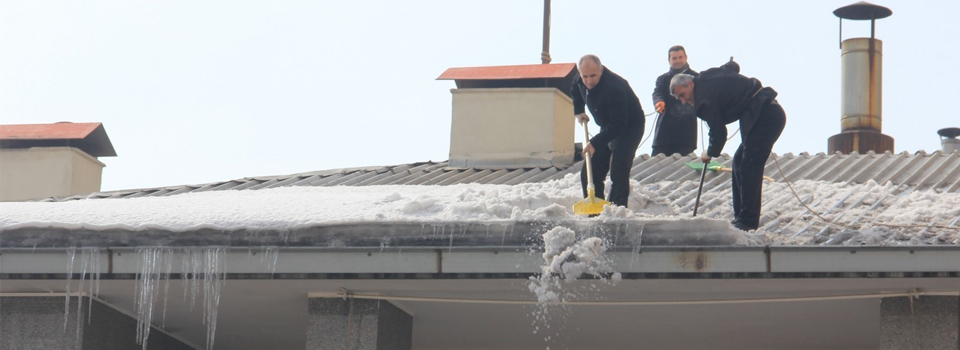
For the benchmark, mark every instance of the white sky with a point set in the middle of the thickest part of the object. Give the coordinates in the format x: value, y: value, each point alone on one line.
x: 201, y: 91
x: 784, y: 220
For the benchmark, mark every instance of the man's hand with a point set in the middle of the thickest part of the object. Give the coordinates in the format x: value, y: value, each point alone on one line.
x: 704, y: 157
x: 659, y: 106
x: 582, y: 118
x: 588, y: 150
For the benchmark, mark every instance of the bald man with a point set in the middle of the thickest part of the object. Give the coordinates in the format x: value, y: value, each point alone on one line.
x: 616, y: 109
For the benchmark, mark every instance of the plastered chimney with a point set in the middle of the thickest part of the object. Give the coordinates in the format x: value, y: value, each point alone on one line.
x: 512, y: 116
x: 51, y: 160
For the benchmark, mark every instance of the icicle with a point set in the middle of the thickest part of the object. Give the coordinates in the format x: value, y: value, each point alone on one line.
x: 184, y: 272
x: 273, y: 264
x: 138, y: 293
x: 503, y: 236
x: 269, y: 256
x: 157, y: 263
x: 168, y: 255
x: 66, y: 308
x: 196, y: 259
x: 213, y: 276
x: 147, y: 295
x: 84, y: 262
x: 450, y: 247
x: 139, y: 305
x: 94, y: 288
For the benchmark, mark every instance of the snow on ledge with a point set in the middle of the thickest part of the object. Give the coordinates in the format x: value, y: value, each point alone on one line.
x: 291, y: 208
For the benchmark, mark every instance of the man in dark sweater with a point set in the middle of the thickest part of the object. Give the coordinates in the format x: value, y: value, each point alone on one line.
x: 616, y: 109
x: 676, y: 127
x: 722, y: 96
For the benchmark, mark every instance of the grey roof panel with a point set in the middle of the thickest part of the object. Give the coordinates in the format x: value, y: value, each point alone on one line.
x: 183, y: 189
x: 250, y: 183
x: 229, y: 185
x: 306, y: 181
x: 265, y: 184
x: 547, y: 174
x: 920, y: 171
x: 286, y: 182
x: 523, y: 176
x: 448, y: 177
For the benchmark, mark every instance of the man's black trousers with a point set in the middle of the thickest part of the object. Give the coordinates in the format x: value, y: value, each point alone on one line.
x: 617, y: 158
x: 749, y: 161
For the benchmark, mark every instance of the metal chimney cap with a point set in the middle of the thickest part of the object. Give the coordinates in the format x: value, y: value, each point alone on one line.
x: 863, y: 10
x: 949, y: 132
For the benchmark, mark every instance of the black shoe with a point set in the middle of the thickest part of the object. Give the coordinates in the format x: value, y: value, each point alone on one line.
x: 744, y: 227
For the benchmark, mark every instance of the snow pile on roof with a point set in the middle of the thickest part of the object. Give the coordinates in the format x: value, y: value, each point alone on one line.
x: 867, y: 210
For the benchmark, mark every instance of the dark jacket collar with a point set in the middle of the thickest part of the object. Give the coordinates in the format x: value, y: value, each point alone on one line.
x: 683, y: 69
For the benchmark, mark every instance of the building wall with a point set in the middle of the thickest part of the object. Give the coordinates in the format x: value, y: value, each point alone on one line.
x: 39, y: 322
x: 35, y: 173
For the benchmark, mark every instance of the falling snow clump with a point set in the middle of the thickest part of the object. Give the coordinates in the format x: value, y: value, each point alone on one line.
x: 565, y: 260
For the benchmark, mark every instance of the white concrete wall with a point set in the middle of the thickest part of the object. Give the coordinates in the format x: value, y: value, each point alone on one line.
x: 522, y: 127
x: 42, y: 172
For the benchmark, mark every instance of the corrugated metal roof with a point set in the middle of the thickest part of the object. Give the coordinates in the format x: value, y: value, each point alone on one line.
x: 89, y: 137
x: 674, y: 182
x: 529, y: 71
x: 921, y: 171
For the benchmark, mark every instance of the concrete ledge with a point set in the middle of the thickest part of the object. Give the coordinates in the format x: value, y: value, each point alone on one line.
x: 386, y: 234
x: 500, y: 262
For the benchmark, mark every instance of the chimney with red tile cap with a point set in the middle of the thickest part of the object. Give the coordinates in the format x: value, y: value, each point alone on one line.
x: 51, y: 160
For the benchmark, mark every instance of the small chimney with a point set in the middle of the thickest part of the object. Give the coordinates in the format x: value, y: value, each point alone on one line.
x: 948, y: 140
x: 861, y: 86
x: 512, y: 116
x: 51, y: 160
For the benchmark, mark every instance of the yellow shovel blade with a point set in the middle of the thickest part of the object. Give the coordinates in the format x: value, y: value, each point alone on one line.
x: 590, y: 205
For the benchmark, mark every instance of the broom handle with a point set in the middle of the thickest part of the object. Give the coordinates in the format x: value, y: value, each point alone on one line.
x: 703, y: 175
x: 587, y: 156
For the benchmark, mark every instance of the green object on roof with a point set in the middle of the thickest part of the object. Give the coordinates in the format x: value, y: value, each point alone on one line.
x: 712, y: 166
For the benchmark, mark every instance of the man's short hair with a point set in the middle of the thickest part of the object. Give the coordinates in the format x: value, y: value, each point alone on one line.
x: 592, y: 58
x: 676, y: 48
x: 678, y: 80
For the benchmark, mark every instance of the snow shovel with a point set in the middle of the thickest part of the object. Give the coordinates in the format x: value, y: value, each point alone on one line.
x: 715, y: 166
x: 590, y: 205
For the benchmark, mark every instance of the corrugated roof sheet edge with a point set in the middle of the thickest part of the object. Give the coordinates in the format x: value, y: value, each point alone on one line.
x: 889, y: 167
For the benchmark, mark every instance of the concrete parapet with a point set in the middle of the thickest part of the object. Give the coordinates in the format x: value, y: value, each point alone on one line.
x: 342, y: 324
x: 928, y: 322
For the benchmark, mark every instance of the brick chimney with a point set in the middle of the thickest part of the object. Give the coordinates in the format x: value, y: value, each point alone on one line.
x: 51, y: 160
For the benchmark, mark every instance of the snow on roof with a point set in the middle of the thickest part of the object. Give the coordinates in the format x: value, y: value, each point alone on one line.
x: 869, y: 213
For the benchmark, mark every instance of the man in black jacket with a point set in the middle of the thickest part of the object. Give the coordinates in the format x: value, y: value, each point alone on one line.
x: 722, y: 96
x: 676, y: 127
x: 616, y: 109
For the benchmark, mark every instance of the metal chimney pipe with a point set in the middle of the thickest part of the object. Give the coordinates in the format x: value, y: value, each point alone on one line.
x: 861, y: 86
x: 545, y: 54
x: 949, y: 141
